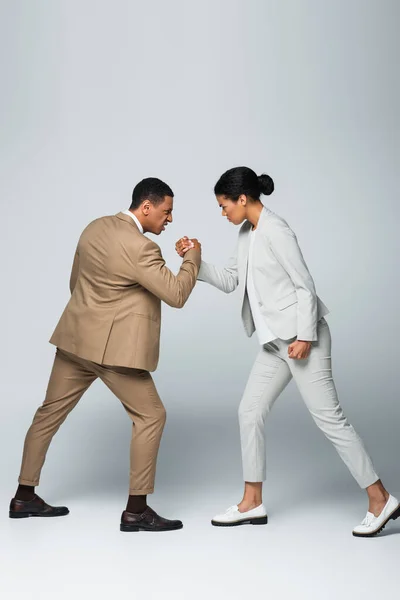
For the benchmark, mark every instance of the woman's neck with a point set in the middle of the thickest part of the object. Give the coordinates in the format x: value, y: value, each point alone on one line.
x: 254, y: 211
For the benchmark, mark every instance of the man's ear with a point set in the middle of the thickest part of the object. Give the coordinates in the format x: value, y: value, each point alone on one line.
x: 146, y: 207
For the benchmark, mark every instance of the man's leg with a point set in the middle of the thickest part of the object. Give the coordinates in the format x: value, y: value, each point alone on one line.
x: 68, y: 381
x: 136, y: 390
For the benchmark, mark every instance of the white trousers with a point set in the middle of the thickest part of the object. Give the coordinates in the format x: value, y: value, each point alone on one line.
x: 271, y: 373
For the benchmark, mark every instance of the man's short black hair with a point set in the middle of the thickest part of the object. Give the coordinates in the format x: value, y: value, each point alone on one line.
x: 152, y: 189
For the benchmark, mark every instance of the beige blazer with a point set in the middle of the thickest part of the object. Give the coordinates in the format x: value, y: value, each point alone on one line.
x: 118, y: 280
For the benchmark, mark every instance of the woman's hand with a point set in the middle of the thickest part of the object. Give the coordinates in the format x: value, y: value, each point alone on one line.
x: 299, y: 350
x: 183, y: 245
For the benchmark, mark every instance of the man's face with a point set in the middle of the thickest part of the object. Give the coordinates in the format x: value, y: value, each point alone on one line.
x: 158, y: 217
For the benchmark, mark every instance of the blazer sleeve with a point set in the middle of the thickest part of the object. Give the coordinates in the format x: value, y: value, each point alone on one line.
x: 153, y: 274
x: 225, y: 279
x: 285, y: 247
x: 74, y: 272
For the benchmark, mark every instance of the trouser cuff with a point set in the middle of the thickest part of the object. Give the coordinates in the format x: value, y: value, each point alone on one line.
x: 140, y: 492
x: 22, y: 481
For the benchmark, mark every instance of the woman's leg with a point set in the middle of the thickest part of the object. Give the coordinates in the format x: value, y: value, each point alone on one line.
x: 268, y: 378
x: 314, y: 379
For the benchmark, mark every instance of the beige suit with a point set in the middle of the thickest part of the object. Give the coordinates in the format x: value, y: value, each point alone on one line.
x: 117, y: 283
x: 110, y: 329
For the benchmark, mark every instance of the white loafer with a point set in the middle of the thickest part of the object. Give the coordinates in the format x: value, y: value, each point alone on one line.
x: 232, y: 517
x: 372, y: 525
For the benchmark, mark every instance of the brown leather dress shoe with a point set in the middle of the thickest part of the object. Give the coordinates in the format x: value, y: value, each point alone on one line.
x: 20, y: 509
x: 148, y: 520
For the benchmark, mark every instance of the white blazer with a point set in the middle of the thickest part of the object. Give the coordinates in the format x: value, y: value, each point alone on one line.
x: 284, y: 287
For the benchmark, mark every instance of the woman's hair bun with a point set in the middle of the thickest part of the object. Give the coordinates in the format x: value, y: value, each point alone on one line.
x: 266, y: 184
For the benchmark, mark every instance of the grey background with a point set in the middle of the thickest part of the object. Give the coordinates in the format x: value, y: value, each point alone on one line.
x: 94, y: 97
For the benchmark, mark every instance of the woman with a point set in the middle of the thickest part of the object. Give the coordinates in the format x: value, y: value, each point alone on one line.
x: 280, y: 304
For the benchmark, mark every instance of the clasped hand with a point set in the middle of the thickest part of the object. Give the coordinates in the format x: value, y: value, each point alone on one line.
x: 185, y: 244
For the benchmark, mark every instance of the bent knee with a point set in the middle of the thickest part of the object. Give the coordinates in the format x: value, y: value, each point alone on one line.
x: 251, y: 415
x: 331, y: 420
x: 161, y: 416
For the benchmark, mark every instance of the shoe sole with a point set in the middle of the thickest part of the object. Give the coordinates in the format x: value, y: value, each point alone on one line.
x: 22, y: 515
x: 127, y: 528
x: 254, y: 521
x: 394, y: 515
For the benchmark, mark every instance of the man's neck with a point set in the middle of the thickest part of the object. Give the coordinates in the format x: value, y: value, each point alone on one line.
x: 139, y: 218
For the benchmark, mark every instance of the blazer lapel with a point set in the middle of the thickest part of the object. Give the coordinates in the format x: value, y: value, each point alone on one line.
x: 243, y: 261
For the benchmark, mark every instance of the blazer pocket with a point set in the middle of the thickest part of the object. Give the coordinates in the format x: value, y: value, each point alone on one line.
x: 287, y: 300
x: 143, y: 316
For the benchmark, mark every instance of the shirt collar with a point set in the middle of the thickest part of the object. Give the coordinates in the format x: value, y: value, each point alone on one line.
x: 134, y: 217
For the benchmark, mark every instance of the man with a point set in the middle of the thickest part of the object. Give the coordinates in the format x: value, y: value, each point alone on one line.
x: 110, y: 329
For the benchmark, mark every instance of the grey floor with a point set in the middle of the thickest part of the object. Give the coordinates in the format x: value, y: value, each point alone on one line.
x: 306, y: 551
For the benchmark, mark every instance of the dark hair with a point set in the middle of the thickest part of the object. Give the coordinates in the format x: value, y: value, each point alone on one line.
x: 242, y: 180
x: 152, y: 189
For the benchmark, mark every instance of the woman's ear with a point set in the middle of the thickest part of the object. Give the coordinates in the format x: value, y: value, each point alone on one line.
x: 243, y: 199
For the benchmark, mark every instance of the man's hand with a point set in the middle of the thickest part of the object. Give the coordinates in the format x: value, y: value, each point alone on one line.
x: 185, y: 244
x: 196, y: 244
x: 299, y: 350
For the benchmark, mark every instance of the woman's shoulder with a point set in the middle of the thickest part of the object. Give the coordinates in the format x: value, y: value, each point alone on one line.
x: 272, y: 223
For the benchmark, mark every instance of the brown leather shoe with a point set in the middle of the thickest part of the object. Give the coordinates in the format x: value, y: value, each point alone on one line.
x: 21, y: 509
x: 148, y: 520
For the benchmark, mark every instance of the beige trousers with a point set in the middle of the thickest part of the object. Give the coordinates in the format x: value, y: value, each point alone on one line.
x: 71, y: 376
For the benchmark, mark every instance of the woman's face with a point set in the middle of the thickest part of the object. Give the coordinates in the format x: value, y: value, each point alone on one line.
x: 235, y: 212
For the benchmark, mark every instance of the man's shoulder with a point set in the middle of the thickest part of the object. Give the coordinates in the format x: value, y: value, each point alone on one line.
x: 120, y: 231
x: 119, y: 223
x: 100, y: 221
x: 117, y: 219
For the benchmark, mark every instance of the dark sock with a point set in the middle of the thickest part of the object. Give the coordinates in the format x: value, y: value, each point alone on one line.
x: 25, y: 493
x: 136, y: 504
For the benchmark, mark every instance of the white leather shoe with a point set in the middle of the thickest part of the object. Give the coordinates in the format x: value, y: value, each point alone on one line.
x: 232, y: 517
x: 372, y: 525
